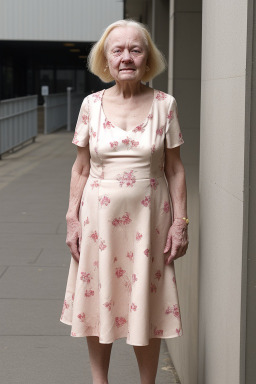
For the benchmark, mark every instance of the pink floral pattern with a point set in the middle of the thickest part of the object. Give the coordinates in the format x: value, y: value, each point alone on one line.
x: 120, y: 321
x: 94, y: 236
x: 161, y: 96
x: 160, y: 131
x: 104, y: 201
x: 170, y: 115
x: 153, y: 183
x: 89, y: 293
x: 85, y: 119
x: 113, y: 144
x: 146, y: 252
x: 93, y: 133
x: 174, y: 310
x: 158, y: 332
x: 134, y: 278
x: 95, y: 184
x: 81, y: 317
x: 120, y: 221
x: 166, y: 208
x: 138, y: 236
x: 130, y: 143
x: 125, y: 211
x: 158, y: 275
x: 139, y: 128
x: 146, y: 201
x: 75, y: 139
x: 107, y: 124
x: 127, y: 178
x: 120, y: 272
x: 102, y: 245
x: 97, y: 96
x: 130, y: 255
x: 86, y: 277
x: 65, y: 306
x: 108, y: 305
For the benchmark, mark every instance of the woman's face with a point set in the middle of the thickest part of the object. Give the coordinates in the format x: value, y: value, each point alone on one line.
x: 126, y: 54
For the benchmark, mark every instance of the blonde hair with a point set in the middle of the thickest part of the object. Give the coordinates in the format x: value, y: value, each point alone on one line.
x: 97, y: 59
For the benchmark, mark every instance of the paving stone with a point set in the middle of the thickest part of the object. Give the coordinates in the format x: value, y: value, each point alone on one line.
x: 63, y: 359
x: 33, y: 282
x: 18, y: 256
x: 19, y: 317
x: 44, y: 360
x: 54, y: 257
x: 13, y: 228
x: 35, y: 240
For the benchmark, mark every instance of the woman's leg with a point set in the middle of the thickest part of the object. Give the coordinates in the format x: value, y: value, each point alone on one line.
x: 147, y: 357
x: 99, y: 359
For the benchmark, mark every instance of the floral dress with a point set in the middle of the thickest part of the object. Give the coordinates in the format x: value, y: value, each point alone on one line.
x: 121, y: 286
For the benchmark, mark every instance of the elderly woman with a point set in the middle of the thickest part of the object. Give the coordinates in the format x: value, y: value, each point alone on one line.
x: 127, y: 216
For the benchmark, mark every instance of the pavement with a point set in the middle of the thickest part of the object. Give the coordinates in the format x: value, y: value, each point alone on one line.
x: 35, y: 348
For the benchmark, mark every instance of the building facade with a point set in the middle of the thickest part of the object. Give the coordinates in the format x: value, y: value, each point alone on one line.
x: 47, y: 43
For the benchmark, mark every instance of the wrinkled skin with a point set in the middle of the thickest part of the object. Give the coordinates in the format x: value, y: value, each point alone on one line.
x: 74, y: 237
x: 177, y: 241
x: 79, y: 176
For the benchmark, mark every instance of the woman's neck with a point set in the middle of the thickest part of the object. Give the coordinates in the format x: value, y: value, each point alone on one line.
x: 128, y: 89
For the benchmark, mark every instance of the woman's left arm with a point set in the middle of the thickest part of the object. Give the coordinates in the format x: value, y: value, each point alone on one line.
x: 177, y: 238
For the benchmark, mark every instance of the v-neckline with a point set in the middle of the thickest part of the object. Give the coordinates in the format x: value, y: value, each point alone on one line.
x: 141, y: 125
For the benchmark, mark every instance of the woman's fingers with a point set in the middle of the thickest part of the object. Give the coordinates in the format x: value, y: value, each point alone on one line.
x: 75, y: 251
x: 178, y: 244
x: 74, y: 245
x: 168, y: 242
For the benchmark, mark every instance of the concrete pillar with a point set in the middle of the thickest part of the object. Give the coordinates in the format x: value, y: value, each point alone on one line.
x: 248, y: 307
x: 160, y: 33
x: 223, y: 203
x: 185, y: 84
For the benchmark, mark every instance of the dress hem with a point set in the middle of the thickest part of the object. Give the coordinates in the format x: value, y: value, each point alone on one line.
x: 121, y: 337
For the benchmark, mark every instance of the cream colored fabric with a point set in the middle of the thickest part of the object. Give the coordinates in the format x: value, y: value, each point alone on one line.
x: 121, y: 286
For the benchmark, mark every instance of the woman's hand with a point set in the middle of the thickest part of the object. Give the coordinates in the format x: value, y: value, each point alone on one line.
x: 79, y: 175
x: 177, y: 240
x: 74, y: 237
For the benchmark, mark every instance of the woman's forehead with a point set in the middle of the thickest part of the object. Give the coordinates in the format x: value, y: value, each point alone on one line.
x: 125, y: 34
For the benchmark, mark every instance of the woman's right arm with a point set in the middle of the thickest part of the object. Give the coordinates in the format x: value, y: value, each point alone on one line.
x: 79, y: 175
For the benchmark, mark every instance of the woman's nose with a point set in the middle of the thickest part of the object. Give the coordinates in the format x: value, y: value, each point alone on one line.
x: 126, y: 55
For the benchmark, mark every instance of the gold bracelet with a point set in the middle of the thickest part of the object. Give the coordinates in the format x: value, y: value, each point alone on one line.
x: 182, y: 218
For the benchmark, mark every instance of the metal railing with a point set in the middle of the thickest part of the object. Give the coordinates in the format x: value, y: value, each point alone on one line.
x: 18, y: 122
x: 18, y: 117
x: 74, y: 102
x: 55, y: 112
x: 61, y: 109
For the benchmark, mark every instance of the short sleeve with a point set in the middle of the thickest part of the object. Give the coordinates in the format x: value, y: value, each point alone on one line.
x: 81, y: 135
x: 173, y: 135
